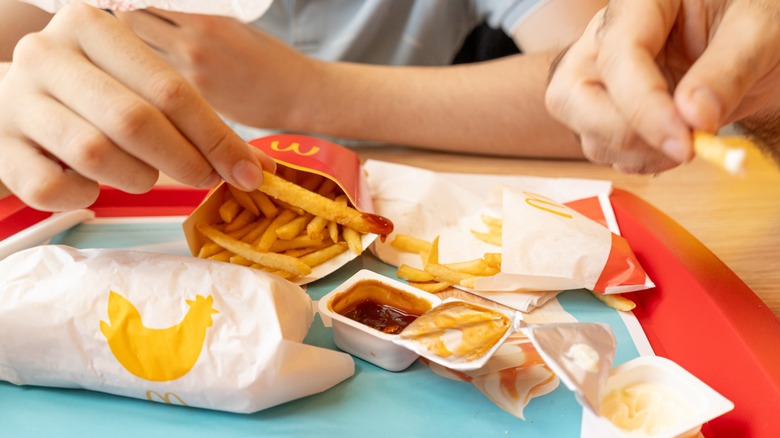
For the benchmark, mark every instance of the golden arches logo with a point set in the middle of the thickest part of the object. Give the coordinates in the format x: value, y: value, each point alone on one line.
x: 166, y: 398
x: 547, y: 205
x: 295, y: 148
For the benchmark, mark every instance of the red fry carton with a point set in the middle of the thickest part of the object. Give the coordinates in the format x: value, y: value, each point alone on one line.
x: 299, y: 158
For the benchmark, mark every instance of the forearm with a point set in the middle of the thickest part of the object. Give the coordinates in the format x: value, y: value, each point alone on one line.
x: 488, y: 108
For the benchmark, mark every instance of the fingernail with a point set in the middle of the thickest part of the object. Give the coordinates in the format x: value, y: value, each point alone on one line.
x: 266, y: 162
x: 212, y: 180
x: 248, y: 175
x: 709, y: 108
x: 673, y: 148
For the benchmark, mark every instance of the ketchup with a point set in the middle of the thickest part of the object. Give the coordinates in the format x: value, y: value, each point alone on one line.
x: 379, y: 306
x: 382, y: 317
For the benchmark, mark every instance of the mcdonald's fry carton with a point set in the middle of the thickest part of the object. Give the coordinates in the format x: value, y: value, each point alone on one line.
x: 159, y: 327
x: 312, y: 217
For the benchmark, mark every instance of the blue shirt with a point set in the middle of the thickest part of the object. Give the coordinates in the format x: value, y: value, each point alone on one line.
x: 384, y: 32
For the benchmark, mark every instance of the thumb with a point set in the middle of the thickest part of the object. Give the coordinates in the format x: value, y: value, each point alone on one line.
x: 741, y: 53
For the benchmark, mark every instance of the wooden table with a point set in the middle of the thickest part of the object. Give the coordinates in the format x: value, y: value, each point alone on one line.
x: 737, y: 218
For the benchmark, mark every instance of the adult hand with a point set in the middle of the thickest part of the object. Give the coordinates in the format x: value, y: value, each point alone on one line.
x: 647, y: 73
x: 247, y: 75
x: 91, y: 103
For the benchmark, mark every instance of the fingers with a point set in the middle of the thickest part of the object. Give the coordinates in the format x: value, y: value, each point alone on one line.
x: 82, y: 147
x: 578, y: 98
x: 632, y: 36
x: 41, y: 182
x: 742, y: 52
x: 170, y: 117
x: 150, y: 27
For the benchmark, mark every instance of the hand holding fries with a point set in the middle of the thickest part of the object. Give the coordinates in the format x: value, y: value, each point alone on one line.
x: 284, y: 228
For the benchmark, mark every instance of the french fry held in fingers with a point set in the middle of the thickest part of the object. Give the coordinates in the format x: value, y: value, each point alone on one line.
x: 728, y: 153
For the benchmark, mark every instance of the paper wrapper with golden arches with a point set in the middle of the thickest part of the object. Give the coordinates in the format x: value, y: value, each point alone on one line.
x: 160, y: 327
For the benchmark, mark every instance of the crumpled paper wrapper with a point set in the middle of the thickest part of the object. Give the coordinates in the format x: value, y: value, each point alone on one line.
x: 159, y: 327
x: 427, y: 204
x: 243, y: 10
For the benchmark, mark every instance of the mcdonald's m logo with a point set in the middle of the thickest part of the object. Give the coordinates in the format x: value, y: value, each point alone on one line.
x: 294, y: 148
x: 547, y: 205
x: 167, y: 398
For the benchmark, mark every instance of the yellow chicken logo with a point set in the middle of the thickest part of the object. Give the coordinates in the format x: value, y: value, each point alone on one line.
x: 156, y: 354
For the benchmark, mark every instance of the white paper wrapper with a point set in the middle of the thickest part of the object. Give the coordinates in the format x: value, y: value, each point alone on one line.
x: 555, y: 247
x: 426, y: 204
x: 161, y: 327
x: 244, y: 10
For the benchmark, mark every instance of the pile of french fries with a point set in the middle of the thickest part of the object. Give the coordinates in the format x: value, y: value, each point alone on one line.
x: 436, y: 277
x: 296, y: 220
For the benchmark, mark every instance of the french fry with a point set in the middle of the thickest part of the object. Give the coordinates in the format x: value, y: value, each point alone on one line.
x: 243, y: 218
x: 293, y: 228
x: 300, y: 252
x: 209, y: 249
x: 432, y: 256
x: 229, y: 210
x: 324, y: 207
x: 333, y: 227
x: 616, y: 301
x: 445, y: 274
x: 269, y: 236
x: 492, y: 237
x: 728, y: 153
x: 244, y: 200
x: 241, y: 232
x: 269, y: 259
x: 493, y: 259
x: 492, y: 222
x: 299, y: 242
x: 264, y: 204
x: 354, y: 240
x: 410, y: 274
x: 222, y: 256
x: 430, y: 287
x: 403, y: 242
x: 321, y: 256
x: 239, y: 260
x: 473, y: 267
x: 316, y: 227
x: 259, y: 228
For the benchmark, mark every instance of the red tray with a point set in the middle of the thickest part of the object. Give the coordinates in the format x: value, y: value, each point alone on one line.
x: 700, y: 314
